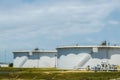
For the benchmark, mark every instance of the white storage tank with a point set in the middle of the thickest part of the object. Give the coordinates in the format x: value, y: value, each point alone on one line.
x: 35, y: 59
x: 76, y: 57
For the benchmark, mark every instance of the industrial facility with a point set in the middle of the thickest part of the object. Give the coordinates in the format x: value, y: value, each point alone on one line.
x: 102, y: 57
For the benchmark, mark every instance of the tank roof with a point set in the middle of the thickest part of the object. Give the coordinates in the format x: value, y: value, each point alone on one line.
x: 44, y: 51
x: 61, y: 47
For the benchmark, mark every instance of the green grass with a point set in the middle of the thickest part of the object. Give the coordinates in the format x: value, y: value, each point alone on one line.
x: 54, y: 74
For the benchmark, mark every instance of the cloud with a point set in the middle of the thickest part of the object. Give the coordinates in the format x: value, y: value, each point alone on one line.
x: 57, y: 19
x: 114, y: 22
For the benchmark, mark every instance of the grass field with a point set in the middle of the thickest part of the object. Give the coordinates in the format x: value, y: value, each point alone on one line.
x: 53, y: 74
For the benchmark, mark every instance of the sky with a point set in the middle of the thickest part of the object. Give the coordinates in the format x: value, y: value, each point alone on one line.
x: 47, y: 24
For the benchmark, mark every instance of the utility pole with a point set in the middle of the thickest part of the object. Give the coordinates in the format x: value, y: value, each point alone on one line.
x: 5, y: 56
x: 107, y: 55
x: 55, y: 60
x: 38, y: 59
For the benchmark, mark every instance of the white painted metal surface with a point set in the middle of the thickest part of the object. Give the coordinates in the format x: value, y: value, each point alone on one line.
x: 71, y: 57
x: 35, y: 59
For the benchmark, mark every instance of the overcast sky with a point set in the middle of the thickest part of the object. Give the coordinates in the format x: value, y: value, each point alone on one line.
x: 47, y: 24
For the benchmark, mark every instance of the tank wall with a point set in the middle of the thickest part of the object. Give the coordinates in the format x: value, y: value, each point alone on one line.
x: 35, y: 60
x: 114, y: 55
x: 108, y: 55
x: 19, y: 54
x: 19, y: 58
x: 47, y: 60
x: 66, y: 51
x: 69, y: 58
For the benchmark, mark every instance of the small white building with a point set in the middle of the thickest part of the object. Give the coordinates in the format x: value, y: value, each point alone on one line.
x: 35, y: 59
x: 76, y: 57
x: 4, y: 65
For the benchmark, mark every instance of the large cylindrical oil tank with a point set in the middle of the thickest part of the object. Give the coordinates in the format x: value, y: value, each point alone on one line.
x: 74, y: 57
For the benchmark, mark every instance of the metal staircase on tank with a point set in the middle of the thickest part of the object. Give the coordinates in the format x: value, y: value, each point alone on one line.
x: 23, y: 62
x: 83, y: 59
